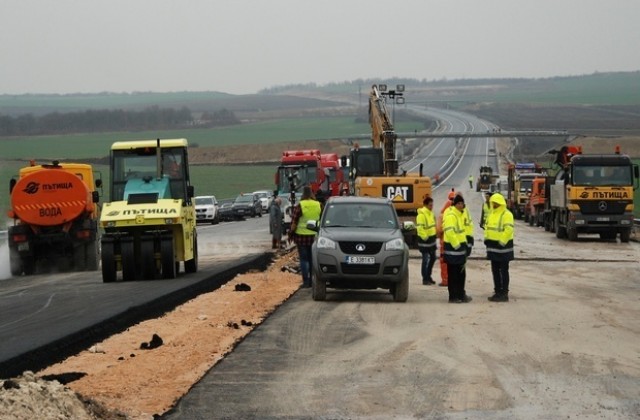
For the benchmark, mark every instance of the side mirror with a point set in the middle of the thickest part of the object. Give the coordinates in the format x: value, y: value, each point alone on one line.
x: 408, y: 225
x: 312, y: 225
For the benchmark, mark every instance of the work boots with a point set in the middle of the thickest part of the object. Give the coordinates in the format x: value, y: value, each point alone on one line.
x: 499, y: 297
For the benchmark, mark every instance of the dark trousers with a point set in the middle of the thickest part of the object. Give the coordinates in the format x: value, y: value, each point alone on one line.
x: 457, y: 279
x: 428, y: 260
x: 304, y: 252
x: 500, y: 271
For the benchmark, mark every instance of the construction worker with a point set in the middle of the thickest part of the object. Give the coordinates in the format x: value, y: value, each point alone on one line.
x: 439, y: 232
x: 426, y: 227
x: 498, y: 237
x: 470, y: 181
x: 486, y: 209
x: 307, y: 209
x: 455, y: 250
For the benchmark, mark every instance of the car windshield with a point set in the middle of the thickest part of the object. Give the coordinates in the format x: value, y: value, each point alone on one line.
x: 359, y: 215
x: 203, y: 201
x: 262, y: 195
x: 244, y: 199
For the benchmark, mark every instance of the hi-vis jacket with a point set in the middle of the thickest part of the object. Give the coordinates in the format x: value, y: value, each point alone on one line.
x: 310, y: 211
x: 455, y: 238
x: 426, y: 226
x: 498, y: 231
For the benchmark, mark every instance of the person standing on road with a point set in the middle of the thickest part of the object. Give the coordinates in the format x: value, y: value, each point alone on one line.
x: 486, y: 209
x: 455, y: 250
x: 426, y: 227
x: 498, y: 237
x: 471, y: 181
x: 276, y: 222
x: 307, y: 209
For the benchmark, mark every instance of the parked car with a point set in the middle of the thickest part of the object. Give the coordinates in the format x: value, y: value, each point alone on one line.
x: 226, y: 211
x: 247, y: 205
x: 265, y: 197
x: 359, y: 245
x: 207, y: 209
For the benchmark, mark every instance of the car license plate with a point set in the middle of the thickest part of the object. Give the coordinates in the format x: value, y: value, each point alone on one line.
x: 24, y: 246
x: 602, y: 219
x: 360, y: 260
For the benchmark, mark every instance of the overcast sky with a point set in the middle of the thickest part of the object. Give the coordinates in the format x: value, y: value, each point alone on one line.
x: 242, y: 46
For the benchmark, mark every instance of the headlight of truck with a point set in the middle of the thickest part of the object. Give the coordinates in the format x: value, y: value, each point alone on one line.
x: 394, y: 245
x: 325, y: 243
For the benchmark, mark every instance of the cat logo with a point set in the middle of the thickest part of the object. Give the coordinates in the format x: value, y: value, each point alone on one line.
x: 398, y: 193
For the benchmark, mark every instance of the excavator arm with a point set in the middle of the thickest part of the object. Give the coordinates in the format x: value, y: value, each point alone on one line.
x: 383, y: 135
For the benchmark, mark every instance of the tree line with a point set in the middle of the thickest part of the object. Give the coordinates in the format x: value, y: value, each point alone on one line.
x: 92, y: 121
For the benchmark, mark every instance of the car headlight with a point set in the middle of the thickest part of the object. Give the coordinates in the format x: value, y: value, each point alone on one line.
x: 394, y: 245
x: 325, y: 243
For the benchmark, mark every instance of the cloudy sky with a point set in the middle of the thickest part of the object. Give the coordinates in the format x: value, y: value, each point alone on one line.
x: 242, y: 46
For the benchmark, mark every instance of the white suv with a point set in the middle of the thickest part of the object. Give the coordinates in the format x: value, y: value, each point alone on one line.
x: 207, y: 209
x: 265, y: 197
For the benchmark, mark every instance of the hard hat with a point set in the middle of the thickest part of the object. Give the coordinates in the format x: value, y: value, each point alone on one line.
x: 452, y: 194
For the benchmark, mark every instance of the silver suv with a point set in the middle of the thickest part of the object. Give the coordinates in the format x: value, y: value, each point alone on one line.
x: 360, y: 246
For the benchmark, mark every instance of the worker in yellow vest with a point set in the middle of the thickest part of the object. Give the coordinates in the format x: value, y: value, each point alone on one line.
x: 426, y: 229
x: 455, y: 250
x: 307, y: 209
x: 498, y: 237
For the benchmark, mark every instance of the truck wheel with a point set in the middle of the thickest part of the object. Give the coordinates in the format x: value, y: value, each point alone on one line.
x: 15, y: 263
x: 167, y: 258
x: 572, y: 234
x: 625, y: 235
x: 148, y: 258
x: 91, y: 261
x: 191, y: 266
x: 128, y: 257
x: 109, y: 271
x: 318, y: 288
x: 79, y: 258
x: 561, y: 232
x: 400, y: 291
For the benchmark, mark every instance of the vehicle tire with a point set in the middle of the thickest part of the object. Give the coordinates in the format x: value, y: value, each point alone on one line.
x: 191, y: 266
x: 318, y: 288
x: 29, y: 265
x: 92, y: 255
x: 561, y: 232
x: 400, y: 291
x: 15, y: 263
x: 128, y: 257
x: 625, y: 235
x: 572, y: 234
x: 167, y: 257
x: 79, y: 257
x: 109, y: 272
x: 148, y: 258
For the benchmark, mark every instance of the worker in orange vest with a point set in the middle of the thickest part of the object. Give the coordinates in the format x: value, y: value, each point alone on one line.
x: 444, y: 278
